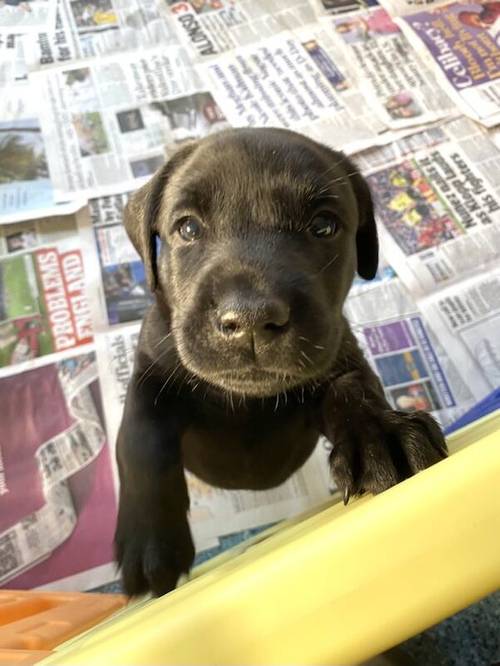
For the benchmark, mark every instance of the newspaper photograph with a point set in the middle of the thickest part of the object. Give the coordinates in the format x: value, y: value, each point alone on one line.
x: 26, y: 189
x: 461, y: 41
x: 43, y: 302
x: 439, y: 207
x: 20, y: 16
x: 415, y: 369
x: 24, y: 172
x: 108, y: 124
x: 466, y: 317
x: 102, y: 27
x: 124, y: 290
x: 295, y: 81
x: 57, y: 489
x: 402, y: 90
x: 209, y: 27
x: 214, y: 511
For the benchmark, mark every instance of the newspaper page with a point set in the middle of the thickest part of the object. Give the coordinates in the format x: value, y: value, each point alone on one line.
x: 379, y: 156
x: 466, y: 317
x: 439, y: 206
x: 26, y: 189
x: 26, y: 16
x: 210, y: 27
x: 415, y: 368
x: 494, y: 135
x: 404, y: 7
x: 401, y: 90
x: 214, y: 511
x: 117, y: 286
x: 43, y: 301
x: 57, y: 487
x: 107, y: 123
x: 93, y: 29
x: 123, y: 292
x: 12, y: 62
x: 461, y: 41
x: 333, y: 7
x: 296, y: 81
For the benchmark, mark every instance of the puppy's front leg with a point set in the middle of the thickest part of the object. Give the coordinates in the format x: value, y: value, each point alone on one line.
x: 153, y: 541
x: 374, y: 446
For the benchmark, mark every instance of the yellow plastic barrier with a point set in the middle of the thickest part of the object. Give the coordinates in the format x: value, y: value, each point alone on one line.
x: 337, y: 587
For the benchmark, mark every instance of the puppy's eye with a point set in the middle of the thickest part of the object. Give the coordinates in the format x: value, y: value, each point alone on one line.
x: 189, y: 229
x: 323, y: 226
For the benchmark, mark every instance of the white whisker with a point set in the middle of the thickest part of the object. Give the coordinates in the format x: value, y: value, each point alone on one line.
x: 306, y: 356
x: 164, y: 385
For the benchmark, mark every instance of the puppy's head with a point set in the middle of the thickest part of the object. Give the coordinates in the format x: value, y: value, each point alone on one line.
x: 261, y: 232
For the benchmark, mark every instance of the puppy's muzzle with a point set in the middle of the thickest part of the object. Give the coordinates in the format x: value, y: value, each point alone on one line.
x: 250, y: 320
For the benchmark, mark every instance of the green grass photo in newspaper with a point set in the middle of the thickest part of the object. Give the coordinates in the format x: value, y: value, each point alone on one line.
x: 24, y: 332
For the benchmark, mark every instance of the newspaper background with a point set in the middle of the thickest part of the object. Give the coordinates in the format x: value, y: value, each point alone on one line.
x: 461, y: 41
x: 415, y: 368
x: 94, y: 98
x: 333, y: 7
x: 405, y: 7
x: 58, y: 494
x: 466, y: 317
x: 43, y: 302
x: 12, y: 61
x: 123, y: 291
x: 210, y: 28
x: 402, y: 90
x: 83, y: 31
x: 107, y: 124
x: 315, y: 97
x: 27, y: 17
x: 438, y: 204
x: 26, y: 190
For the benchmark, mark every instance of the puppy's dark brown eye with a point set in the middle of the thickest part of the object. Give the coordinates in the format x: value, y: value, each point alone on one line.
x: 323, y: 226
x: 189, y: 229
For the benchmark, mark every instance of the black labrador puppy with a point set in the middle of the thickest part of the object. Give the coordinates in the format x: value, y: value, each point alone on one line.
x: 250, y: 240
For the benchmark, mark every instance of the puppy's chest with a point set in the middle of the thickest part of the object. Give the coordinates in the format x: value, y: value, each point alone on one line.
x: 253, y: 456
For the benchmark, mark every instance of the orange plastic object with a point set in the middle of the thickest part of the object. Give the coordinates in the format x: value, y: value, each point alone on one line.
x: 32, y: 624
x: 23, y: 657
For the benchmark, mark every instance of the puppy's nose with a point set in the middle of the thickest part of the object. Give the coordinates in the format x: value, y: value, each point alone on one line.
x: 265, y: 320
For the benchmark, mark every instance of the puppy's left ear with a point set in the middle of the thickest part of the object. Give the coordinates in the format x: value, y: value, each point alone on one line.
x: 366, y: 237
x: 141, y: 212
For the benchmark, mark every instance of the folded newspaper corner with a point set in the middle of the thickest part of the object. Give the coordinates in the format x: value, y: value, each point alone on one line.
x: 96, y: 95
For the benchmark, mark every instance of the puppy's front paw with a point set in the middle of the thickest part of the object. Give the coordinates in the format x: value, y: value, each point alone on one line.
x: 152, y: 556
x: 374, y: 451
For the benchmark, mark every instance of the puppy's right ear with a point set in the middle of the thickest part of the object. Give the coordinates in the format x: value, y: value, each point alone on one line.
x: 366, y: 236
x: 141, y: 212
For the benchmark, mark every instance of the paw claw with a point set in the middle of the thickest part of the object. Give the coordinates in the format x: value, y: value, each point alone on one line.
x: 379, y: 449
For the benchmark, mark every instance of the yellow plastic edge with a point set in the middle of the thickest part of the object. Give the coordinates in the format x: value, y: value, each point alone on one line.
x: 337, y: 588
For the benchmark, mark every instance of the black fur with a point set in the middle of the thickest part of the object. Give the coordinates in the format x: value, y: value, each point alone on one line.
x: 246, y: 357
